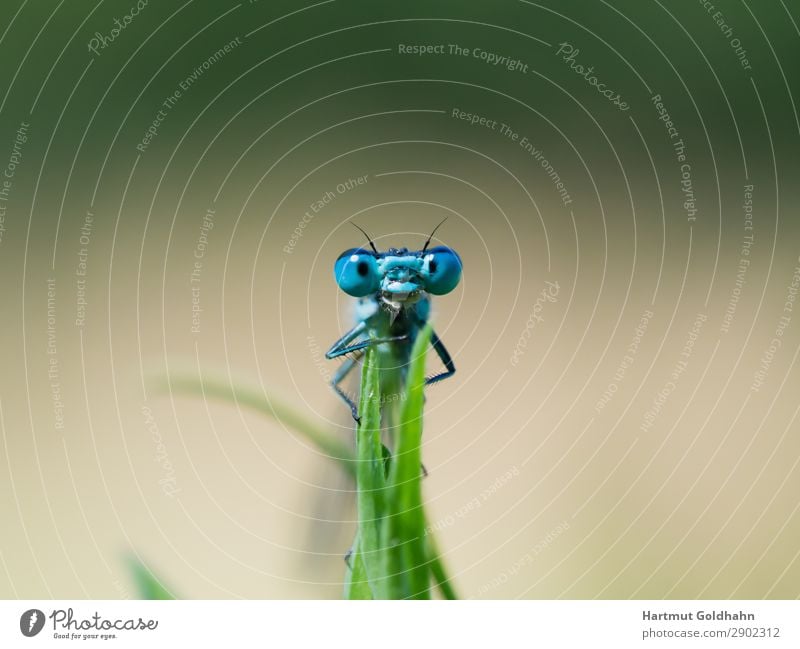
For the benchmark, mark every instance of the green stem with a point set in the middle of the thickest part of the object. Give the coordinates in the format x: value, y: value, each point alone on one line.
x: 370, y: 476
x: 407, y: 566
x: 356, y: 585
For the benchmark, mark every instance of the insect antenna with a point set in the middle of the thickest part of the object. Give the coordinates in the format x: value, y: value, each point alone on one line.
x: 427, y: 243
x: 371, y: 245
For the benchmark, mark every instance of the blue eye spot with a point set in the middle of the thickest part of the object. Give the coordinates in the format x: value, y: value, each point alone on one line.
x: 442, y: 268
x: 356, y: 272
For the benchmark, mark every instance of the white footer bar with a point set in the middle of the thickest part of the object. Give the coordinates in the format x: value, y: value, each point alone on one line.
x: 406, y: 625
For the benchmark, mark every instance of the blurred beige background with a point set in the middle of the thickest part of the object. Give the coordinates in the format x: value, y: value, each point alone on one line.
x: 682, y: 482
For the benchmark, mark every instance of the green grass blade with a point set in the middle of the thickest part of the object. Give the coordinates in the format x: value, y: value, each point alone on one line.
x: 392, y: 555
x: 265, y: 404
x: 147, y: 584
x: 370, y: 475
x: 356, y: 585
x: 406, y: 555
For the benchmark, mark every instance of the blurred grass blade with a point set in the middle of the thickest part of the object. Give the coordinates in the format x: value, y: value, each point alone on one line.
x: 147, y: 584
x: 438, y: 571
x: 406, y: 554
x: 370, y: 475
x: 268, y: 405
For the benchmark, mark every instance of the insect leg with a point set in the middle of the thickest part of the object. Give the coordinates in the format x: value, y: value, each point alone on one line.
x: 450, y: 369
x: 343, y: 346
x: 338, y: 348
x: 444, y: 355
x: 363, y: 345
x: 341, y: 373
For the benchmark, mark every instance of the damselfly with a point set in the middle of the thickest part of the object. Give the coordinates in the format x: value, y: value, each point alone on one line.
x: 393, y: 288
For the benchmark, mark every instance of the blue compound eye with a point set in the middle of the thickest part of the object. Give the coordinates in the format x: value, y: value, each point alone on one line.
x: 442, y: 269
x: 356, y: 272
